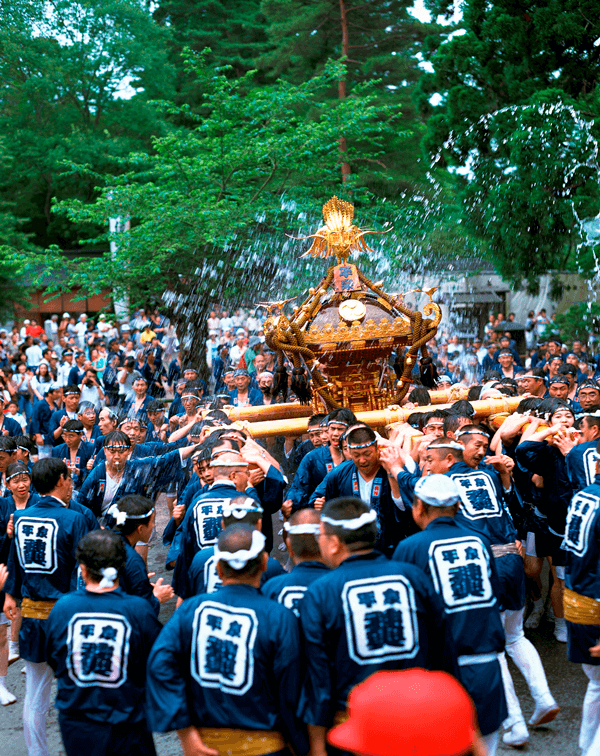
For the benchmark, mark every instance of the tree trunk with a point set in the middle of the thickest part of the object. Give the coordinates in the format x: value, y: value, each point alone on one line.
x: 342, y: 87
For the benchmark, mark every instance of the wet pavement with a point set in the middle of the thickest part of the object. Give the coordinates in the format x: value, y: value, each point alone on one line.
x: 559, y: 738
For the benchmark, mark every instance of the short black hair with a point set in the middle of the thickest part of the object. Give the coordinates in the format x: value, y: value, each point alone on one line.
x: 196, y: 428
x: 8, y: 444
x: 476, y: 430
x: 71, y: 388
x: 342, y: 415
x: 74, y: 426
x: 17, y: 468
x: 420, y: 396
x: 529, y: 404
x: 567, y: 368
x: 99, y: 550
x: 536, y: 372
x: 137, y: 506
x: 417, y: 419
x: 116, y: 437
x: 349, y: 508
x: 316, y: 420
x: 452, y: 422
x: 46, y: 473
x: 305, y: 545
x: 548, y: 406
x: 361, y: 435
x: 27, y: 443
x: 474, y: 393
x: 250, y: 518
x: 217, y: 414
x: 155, y: 406
x: 462, y: 408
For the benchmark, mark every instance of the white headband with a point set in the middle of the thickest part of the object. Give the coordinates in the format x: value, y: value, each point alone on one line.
x: 446, y: 445
x: 122, y: 517
x: 471, y: 432
x: 225, y: 463
x: 307, y: 529
x: 240, y: 510
x: 239, y: 559
x: 109, y: 575
x: 358, y: 522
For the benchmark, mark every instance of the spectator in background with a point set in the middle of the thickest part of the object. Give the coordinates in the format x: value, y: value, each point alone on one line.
x: 12, y: 412
x: 77, y: 372
x: 214, y: 324
x: 41, y: 382
x: 91, y: 390
x: 34, y: 330
x: 489, y: 361
x: 34, y: 354
x: 81, y: 329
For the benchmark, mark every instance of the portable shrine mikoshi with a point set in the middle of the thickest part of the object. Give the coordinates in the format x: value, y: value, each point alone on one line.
x: 339, y: 340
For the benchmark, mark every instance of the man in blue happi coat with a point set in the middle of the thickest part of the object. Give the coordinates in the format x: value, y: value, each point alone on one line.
x: 203, y: 520
x: 203, y: 575
x: 226, y: 670
x: 300, y: 534
x: 582, y: 609
x: 71, y: 395
x: 367, y: 614
x: 484, y: 509
x: 581, y: 460
x: 461, y: 566
x: 75, y: 452
x: 133, y: 518
x: 120, y: 474
x: 319, y: 462
x: 41, y: 564
x: 366, y: 477
x: 97, y: 642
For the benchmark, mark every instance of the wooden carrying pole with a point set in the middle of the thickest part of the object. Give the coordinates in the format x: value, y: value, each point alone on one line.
x: 380, y: 418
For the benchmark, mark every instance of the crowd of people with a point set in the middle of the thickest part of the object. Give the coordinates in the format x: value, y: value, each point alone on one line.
x: 415, y: 546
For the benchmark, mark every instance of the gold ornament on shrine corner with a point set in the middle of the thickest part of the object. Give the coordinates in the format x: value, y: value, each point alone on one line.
x: 345, y: 330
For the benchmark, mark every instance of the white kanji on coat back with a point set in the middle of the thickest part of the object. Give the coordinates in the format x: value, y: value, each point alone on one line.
x: 478, y: 495
x: 223, y: 647
x: 579, y: 522
x: 35, y: 539
x: 98, y: 649
x: 380, y: 617
x: 461, y: 573
x: 208, y: 514
x: 291, y: 596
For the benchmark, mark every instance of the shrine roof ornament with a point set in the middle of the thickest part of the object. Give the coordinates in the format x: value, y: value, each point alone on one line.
x: 339, y: 237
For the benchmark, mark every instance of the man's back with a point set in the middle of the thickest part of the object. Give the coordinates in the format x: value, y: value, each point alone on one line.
x: 242, y: 669
x: 367, y: 614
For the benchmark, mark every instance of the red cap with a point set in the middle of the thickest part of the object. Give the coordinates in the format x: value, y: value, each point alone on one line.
x: 411, y: 712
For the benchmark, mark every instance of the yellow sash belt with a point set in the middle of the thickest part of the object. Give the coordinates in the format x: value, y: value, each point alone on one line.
x: 581, y: 610
x: 36, y: 609
x: 229, y: 742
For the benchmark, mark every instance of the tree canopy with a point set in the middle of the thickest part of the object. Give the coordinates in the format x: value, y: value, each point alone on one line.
x: 215, y: 128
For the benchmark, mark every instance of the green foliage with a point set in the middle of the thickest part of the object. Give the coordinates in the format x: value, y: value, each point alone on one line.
x: 200, y: 192
x: 534, y: 172
x: 61, y: 74
x: 519, y: 88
